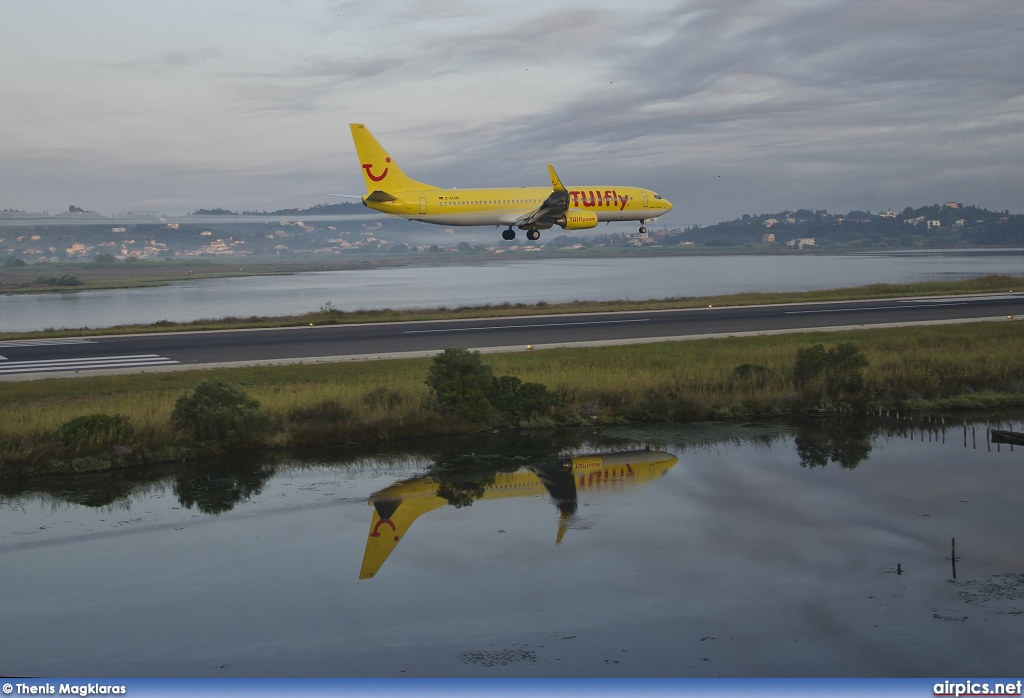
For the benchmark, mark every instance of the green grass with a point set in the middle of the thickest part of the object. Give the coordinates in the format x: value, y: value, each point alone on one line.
x: 993, y: 283
x: 946, y: 367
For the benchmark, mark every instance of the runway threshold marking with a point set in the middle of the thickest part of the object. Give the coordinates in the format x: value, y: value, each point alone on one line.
x: 50, y: 365
x: 519, y: 327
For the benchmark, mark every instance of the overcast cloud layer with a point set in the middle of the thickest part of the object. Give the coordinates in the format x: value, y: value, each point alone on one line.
x: 724, y: 106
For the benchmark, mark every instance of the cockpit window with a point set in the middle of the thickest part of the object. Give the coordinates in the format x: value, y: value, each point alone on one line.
x: 657, y: 196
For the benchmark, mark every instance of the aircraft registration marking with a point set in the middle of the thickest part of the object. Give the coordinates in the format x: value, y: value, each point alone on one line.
x: 519, y: 327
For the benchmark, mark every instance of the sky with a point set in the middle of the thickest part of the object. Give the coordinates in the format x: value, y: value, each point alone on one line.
x: 724, y: 107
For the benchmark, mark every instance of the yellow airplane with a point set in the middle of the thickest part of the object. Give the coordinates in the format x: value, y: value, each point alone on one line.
x: 531, y: 209
x: 395, y: 508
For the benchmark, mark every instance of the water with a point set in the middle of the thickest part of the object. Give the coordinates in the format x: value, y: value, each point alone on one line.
x: 552, y: 280
x: 764, y: 550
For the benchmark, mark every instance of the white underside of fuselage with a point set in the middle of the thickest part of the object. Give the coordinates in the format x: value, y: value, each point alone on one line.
x: 509, y: 219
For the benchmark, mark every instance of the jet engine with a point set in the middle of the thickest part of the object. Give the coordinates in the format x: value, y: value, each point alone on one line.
x: 576, y: 219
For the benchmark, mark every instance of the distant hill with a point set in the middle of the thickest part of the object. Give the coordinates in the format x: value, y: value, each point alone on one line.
x: 939, y: 225
x: 318, y: 210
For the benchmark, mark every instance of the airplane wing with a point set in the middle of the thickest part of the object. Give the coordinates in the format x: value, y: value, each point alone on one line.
x: 553, y: 208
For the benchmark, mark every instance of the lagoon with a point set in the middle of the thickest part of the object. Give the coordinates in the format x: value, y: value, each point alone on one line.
x: 799, y: 549
x: 527, y: 281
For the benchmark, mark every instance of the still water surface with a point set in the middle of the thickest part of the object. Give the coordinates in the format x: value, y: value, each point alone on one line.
x: 552, y: 280
x: 758, y: 550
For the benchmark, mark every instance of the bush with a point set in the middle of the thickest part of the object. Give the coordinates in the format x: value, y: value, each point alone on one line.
x: 517, y: 400
x: 219, y: 412
x: 461, y: 384
x: 467, y: 389
x: 835, y: 376
x: 95, y: 430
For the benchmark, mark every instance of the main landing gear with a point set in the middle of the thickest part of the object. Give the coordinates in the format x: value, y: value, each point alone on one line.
x: 511, y: 234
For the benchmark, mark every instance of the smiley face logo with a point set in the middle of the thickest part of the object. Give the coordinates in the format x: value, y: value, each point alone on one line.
x: 371, y: 175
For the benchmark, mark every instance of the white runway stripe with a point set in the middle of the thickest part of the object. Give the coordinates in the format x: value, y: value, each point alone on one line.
x: 132, y: 361
x: 45, y: 342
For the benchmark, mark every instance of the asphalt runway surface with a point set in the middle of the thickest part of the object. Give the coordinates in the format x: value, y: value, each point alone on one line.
x: 27, y: 359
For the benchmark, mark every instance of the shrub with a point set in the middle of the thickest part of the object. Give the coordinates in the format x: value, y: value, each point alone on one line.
x: 751, y: 374
x: 517, y: 400
x: 219, y: 412
x: 95, y: 430
x: 836, y: 375
x: 467, y: 389
x: 461, y: 384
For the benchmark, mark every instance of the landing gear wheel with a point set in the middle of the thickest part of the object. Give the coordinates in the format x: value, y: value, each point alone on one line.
x: 508, y: 234
x: 533, y: 235
x: 643, y: 230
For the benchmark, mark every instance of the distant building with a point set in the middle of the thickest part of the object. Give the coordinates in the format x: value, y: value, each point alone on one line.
x: 959, y: 223
x: 117, y: 230
x: 934, y: 224
x: 770, y: 222
x: 888, y: 214
x: 768, y: 237
x: 952, y: 204
x: 801, y: 243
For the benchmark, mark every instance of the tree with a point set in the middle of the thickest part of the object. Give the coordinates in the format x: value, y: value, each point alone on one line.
x: 467, y: 389
x: 461, y: 383
x: 835, y: 376
x: 219, y: 412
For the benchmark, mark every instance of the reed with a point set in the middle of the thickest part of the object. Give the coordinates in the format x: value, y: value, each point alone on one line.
x: 978, y: 364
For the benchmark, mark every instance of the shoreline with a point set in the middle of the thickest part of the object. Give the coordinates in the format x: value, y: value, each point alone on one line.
x: 991, y: 283
x: 930, y: 369
x: 93, y: 276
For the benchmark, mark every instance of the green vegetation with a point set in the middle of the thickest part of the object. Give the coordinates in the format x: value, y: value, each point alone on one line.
x: 465, y: 389
x: 833, y: 379
x: 330, y: 315
x: 219, y: 413
x: 945, y: 367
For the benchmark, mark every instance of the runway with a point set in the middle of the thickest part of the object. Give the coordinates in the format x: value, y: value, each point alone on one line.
x: 29, y: 359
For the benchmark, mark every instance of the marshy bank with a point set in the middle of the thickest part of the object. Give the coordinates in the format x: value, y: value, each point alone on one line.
x: 127, y: 420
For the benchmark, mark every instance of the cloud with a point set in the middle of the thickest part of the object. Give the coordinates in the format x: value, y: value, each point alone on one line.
x: 725, y: 106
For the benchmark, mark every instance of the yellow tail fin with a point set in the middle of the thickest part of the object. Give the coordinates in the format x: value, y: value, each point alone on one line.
x: 380, y: 172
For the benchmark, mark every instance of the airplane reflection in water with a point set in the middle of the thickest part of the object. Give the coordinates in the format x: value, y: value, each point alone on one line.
x: 395, y: 508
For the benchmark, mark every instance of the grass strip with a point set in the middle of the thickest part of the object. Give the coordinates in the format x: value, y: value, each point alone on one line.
x: 946, y: 367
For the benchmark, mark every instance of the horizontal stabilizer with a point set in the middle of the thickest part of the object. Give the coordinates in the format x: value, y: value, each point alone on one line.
x: 381, y: 196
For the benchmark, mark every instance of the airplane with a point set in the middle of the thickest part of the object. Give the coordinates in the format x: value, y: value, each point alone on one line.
x: 396, y: 507
x: 532, y: 209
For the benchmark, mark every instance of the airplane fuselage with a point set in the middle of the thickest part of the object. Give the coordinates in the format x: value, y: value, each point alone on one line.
x: 506, y: 206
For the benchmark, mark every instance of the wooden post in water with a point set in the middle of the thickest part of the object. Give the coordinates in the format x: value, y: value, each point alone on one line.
x: 953, y: 558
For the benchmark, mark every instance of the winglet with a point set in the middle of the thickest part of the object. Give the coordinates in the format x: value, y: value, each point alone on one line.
x: 556, y: 183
